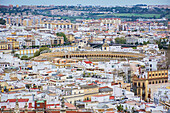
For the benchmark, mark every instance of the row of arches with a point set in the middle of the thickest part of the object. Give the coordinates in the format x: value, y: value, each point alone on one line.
x: 97, y: 55
x: 158, y: 81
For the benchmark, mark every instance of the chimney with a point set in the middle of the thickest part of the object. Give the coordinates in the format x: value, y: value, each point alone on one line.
x: 33, y: 97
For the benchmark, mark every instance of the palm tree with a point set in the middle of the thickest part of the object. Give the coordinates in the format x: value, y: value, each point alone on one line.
x: 120, y: 108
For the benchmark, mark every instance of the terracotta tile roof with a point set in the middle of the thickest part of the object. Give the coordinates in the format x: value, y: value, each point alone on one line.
x: 87, y: 101
x: 70, y: 105
x: 112, y: 97
x: 79, y: 79
x: 49, y: 71
x: 19, y: 100
x: 60, y: 75
x: 71, y: 111
x: 52, y: 105
x: 99, y: 95
x: 104, y: 87
x: 88, y: 62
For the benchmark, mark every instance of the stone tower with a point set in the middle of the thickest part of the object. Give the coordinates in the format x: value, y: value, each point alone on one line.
x: 16, y: 109
x: 63, y: 109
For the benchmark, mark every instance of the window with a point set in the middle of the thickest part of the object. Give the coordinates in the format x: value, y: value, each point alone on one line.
x: 150, y: 65
x: 156, y: 74
x: 143, y: 84
x: 162, y: 73
x: 156, y: 82
x: 152, y: 74
x: 162, y: 81
x: 165, y: 73
x: 159, y: 74
x: 159, y: 81
x: 165, y: 81
x: 139, y: 84
x: 149, y: 82
x: 38, y: 105
x: 153, y: 82
x: 149, y: 74
x: 135, y: 84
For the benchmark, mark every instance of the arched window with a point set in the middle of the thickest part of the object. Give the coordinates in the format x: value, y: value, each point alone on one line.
x: 139, y: 84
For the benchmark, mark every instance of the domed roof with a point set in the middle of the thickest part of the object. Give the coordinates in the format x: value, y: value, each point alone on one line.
x: 105, y: 45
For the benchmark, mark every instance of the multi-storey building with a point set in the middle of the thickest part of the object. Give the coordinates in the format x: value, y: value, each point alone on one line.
x: 12, y: 43
x: 110, y: 21
x: 57, y: 40
x: 3, y: 45
x: 143, y: 85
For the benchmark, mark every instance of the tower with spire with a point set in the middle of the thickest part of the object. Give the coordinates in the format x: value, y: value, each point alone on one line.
x: 63, y: 109
x: 16, y: 109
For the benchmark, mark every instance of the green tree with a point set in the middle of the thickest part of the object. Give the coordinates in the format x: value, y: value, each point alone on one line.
x: 121, y: 40
x: 2, y: 21
x: 37, y: 53
x: 44, y: 48
x: 13, y: 51
x: 24, y: 57
x: 24, y: 46
x: 120, y: 107
x: 145, y: 43
x: 31, y: 57
x: 133, y: 109
x: 62, y: 35
x: 16, y: 55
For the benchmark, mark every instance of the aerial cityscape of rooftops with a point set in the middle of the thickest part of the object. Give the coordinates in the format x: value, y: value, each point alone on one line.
x: 84, y: 58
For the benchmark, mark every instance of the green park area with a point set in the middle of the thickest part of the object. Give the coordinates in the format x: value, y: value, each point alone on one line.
x: 132, y: 14
x: 114, y: 15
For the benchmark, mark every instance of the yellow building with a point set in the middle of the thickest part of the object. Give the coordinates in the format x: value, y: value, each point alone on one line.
x: 140, y: 85
x: 57, y: 40
x: 70, y: 37
x: 105, y: 47
x: 12, y: 43
x: 75, y: 95
x: 123, y: 85
x: 110, y: 21
x: 57, y: 25
x: 3, y: 45
x: 89, y: 90
x: 5, y: 86
x: 27, y: 22
x: 83, y: 93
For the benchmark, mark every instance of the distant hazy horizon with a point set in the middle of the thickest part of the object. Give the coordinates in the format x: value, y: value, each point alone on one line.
x: 85, y: 2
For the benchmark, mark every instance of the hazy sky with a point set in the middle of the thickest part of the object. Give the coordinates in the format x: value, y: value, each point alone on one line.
x: 85, y: 2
